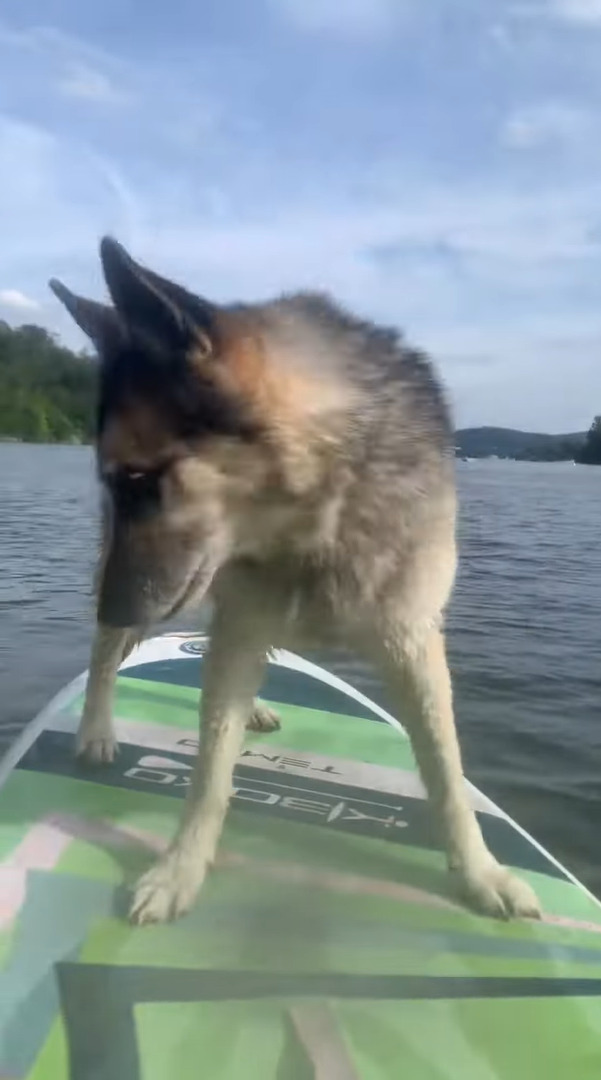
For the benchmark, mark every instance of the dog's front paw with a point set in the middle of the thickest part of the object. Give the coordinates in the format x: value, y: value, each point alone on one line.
x: 168, y: 890
x: 96, y: 746
x: 263, y: 719
x: 493, y: 890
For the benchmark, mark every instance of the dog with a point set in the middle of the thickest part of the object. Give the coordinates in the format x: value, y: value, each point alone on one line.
x: 294, y: 464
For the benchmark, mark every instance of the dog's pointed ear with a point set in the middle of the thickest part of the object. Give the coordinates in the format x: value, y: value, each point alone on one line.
x: 200, y: 313
x: 98, y: 321
x: 152, y: 304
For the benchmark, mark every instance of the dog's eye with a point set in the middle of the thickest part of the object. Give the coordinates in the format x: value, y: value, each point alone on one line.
x: 136, y: 477
x: 135, y: 491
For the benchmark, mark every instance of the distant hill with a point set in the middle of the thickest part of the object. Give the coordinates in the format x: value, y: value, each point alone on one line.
x: 521, y: 445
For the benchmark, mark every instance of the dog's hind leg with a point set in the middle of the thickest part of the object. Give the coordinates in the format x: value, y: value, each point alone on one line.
x: 96, y: 743
x: 233, y: 670
x: 416, y: 671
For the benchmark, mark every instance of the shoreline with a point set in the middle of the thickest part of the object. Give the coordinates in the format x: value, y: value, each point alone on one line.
x: 10, y: 440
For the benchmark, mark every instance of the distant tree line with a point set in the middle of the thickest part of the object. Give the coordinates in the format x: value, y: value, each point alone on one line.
x: 562, y: 449
x: 46, y: 390
x: 590, y: 451
x: 515, y: 445
x: 47, y: 394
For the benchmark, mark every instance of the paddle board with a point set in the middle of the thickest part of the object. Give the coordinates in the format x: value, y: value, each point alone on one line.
x: 326, y: 942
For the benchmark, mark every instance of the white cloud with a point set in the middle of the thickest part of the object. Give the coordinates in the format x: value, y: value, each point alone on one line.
x: 17, y: 39
x: 501, y: 35
x: 344, y: 18
x: 532, y: 246
x: 83, y: 81
x: 585, y: 12
x: 495, y: 277
x: 532, y: 126
x: 507, y: 230
x: 87, y: 72
x: 58, y: 44
x: 13, y: 298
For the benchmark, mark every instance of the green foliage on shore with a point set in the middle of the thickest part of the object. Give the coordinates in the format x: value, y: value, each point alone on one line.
x: 46, y: 390
x: 590, y: 451
x: 561, y: 448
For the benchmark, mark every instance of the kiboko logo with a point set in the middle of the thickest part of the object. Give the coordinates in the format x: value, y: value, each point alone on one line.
x: 194, y: 648
x: 161, y: 770
x: 318, y: 805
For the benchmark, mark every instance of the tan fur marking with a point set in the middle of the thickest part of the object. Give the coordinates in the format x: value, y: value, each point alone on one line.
x: 281, y: 386
x: 287, y: 396
x: 138, y: 436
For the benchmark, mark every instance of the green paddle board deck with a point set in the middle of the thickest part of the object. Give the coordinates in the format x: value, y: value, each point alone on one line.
x: 326, y: 942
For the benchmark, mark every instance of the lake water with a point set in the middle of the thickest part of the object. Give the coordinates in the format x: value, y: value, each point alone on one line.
x: 524, y: 626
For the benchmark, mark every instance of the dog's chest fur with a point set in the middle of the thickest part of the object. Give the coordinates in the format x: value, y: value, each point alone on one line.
x: 304, y: 604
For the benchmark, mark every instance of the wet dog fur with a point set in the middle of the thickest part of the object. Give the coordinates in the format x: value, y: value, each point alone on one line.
x: 295, y: 464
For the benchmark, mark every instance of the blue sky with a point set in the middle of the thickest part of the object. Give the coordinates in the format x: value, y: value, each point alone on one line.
x: 434, y: 164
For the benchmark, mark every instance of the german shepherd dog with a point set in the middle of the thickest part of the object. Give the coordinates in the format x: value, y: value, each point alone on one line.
x: 295, y: 464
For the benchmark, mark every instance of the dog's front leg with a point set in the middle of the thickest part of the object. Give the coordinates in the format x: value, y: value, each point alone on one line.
x: 96, y: 741
x: 417, y: 673
x: 233, y: 670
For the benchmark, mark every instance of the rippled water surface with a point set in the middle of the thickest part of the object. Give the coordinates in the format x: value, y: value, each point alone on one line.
x: 524, y: 626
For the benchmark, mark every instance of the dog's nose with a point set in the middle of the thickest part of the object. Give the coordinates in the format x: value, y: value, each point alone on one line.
x: 128, y: 595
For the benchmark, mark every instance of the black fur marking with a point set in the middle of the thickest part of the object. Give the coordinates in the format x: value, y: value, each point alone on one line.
x: 201, y: 313
x: 153, y: 303
x: 135, y: 496
x: 191, y: 406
